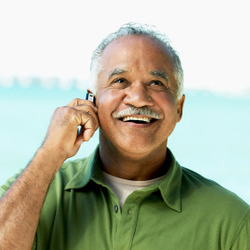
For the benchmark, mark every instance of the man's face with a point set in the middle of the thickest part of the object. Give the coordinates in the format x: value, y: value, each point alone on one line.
x: 136, y: 71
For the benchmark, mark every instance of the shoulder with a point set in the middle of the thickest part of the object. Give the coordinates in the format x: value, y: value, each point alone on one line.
x: 215, y: 207
x: 210, y: 194
x: 68, y: 171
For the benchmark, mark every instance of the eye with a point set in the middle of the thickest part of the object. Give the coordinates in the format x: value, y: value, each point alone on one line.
x: 119, y: 80
x: 157, y: 83
x: 119, y: 83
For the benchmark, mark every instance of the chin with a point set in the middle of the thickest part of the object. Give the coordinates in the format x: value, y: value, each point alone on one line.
x: 139, y: 147
x: 132, y: 145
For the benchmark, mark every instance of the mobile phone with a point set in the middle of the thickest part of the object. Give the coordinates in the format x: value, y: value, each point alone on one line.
x: 90, y: 97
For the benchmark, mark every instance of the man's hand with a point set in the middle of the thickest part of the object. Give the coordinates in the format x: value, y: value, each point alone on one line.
x: 62, y: 135
x: 21, y: 205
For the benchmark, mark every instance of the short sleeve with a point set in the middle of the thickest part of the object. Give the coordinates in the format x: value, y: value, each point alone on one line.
x: 34, y: 243
x: 242, y: 242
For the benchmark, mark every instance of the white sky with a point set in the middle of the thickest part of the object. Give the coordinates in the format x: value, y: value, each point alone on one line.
x: 55, y: 38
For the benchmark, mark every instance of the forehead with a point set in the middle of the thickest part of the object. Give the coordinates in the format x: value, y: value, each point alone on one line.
x: 138, y: 50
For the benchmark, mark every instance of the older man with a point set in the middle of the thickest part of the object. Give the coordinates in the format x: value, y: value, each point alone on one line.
x: 130, y: 193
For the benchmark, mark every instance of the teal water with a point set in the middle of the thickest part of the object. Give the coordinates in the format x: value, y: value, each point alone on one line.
x: 213, y: 137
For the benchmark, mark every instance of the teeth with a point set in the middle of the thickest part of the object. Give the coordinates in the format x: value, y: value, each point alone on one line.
x: 132, y: 118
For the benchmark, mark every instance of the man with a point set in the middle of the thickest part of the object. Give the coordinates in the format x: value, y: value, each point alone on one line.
x: 130, y: 193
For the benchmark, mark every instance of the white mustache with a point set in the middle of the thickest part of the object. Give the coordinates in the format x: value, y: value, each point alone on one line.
x: 137, y: 111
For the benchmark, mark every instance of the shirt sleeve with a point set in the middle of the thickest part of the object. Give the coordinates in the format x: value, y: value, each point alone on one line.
x: 8, y: 183
x: 34, y: 244
x: 242, y: 242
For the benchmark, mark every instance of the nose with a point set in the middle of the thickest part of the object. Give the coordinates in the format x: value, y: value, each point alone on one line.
x: 137, y: 95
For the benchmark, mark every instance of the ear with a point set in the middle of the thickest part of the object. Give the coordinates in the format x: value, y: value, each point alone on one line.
x: 180, y: 105
x: 89, y: 91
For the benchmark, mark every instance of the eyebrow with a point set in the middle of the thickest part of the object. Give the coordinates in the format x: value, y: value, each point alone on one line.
x: 116, y: 72
x: 157, y: 73
x: 160, y: 74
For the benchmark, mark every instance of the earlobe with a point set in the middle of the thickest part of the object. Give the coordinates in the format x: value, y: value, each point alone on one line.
x: 180, y: 105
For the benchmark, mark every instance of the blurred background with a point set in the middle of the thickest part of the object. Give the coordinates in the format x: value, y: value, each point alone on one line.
x: 45, y: 50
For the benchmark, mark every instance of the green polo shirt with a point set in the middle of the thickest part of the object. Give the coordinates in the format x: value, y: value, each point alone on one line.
x: 183, y: 211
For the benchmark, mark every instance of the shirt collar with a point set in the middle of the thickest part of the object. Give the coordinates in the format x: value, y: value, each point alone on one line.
x: 90, y: 165
x: 169, y: 186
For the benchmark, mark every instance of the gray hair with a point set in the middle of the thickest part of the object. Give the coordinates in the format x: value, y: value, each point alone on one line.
x: 136, y: 29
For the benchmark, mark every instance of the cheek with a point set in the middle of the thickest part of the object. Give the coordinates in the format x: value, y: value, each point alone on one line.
x: 104, y: 97
x: 103, y: 105
x: 107, y: 102
x: 167, y: 104
x: 164, y: 100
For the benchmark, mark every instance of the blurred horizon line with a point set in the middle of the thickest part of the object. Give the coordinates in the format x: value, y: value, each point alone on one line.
x: 51, y: 82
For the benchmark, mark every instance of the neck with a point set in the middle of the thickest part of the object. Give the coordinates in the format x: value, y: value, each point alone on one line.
x: 133, y: 166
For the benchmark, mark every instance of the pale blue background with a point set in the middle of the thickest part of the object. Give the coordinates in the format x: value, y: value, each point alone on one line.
x: 213, y: 137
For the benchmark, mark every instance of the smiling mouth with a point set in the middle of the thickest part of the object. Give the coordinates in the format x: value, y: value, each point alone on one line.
x: 138, y: 120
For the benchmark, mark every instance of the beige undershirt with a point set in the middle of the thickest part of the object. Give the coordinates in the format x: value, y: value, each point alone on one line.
x: 123, y: 188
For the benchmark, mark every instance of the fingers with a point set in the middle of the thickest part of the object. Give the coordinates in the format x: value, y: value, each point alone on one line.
x: 89, y: 122
x: 80, y: 102
x: 62, y: 131
x: 89, y: 125
x: 88, y: 118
